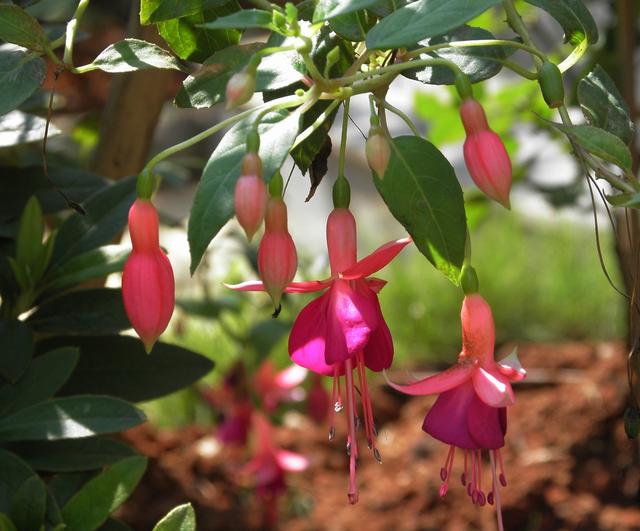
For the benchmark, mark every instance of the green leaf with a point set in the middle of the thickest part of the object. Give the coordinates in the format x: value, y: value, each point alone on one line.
x: 383, y: 8
x: 213, y: 202
x: 93, y: 264
x: 353, y: 26
x: 84, y: 312
x: 600, y: 143
x: 119, y: 366
x: 111, y: 524
x: 423, y: 19
x: 29, y: 240
x: 193, y: 43
x: 133, y: 54
x: 64, y: 486
x: 603, y: 106
x: 180, y: 518
x: 102, y: 495
x: 476, y: 61
x: 211, y: 308
x: 73, y: 455
x: 21, y: 74
x: 159, y: 10
x: 70, y: 418
x: 45, y: 375
x: 247, y: 18
x: 17, y: 347
x: 28, y: 505
x: 326, y: 9
x: 573, y: 16
x: 422, y: 192
x: 18, y: 27
x: 18, y: 128
x: 13, y: 473
x: 106, y: 216
x: 6, y: 524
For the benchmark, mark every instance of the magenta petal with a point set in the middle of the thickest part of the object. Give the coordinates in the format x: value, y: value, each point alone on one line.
x: 376, y: 260
x: 487, y: 425
x: 492, y: 387
x: 438, y: 383
x: 375, y: 284
x: 447, y: 418
x: 378, y: 354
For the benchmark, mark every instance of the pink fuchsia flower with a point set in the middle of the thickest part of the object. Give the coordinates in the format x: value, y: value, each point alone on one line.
x: 484, y: 154
x: 274, y: 386
x: 148, y: 290
x: 470, y: 412
x: 343, y: 330
x: 250, y: 197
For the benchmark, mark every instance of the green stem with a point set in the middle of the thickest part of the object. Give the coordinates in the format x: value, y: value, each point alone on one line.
x: 515, y: 67
x: 575, y: 55
x: 317, y: 123
x: 72, y: 28
x: 343, y: 138
x: 477, y: 43
x: 401, y: 114
x: 515, y: 21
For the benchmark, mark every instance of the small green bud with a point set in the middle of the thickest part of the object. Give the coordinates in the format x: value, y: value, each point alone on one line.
x: 341, y: 193
x: 551, y: 84
x: 632, y: 422
x: 469, y: 280
x: 276, y: 185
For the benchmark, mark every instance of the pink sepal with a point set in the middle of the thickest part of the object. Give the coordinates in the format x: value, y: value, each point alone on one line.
x: 376, y: 260
x: 438, y: 383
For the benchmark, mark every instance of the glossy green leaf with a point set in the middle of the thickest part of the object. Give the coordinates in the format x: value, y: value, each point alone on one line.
x: 424, y: 19
x: 13, y: 473
x: 603, y: 105
x: 130, y: 55
x: 95, y: 311
x: 73, y: 455
x: 102, y: 495
x: 478, y: 62
x: 573, y: 16
x: 18, y: 27
x: 70, y: 418
x: 180, y: 518
x: 21, y: 75
x: 45, y: 375
x: 422, y: 192
x: 106, y: 216
x: 28, y: 505
x: 119, y: 366
x: 213, y: 202
x: 382, y: 8
x: 29, y: 240
x: 326, y: 9
x: 353, y: 26
x: 64, y: 486
x: 600, y: 143
x: 17, y: 347
x: 159, y: 10
x: 18, y: 128
x: 246, y: 18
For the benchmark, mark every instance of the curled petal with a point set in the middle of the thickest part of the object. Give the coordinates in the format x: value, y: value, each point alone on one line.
x: 249, y: 285
x: 293, y: 287
x: 492, y: 387
x: 438, y: 383
x: 376, y: 260
x: 511, y: 367
x: 291, y: 462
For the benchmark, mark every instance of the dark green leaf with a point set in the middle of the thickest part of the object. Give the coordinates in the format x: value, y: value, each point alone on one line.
x: 422, y: 192
x: 17, y: 347
x: 29, y: 240
x: 247, y: 18
x: 159, y: 10
x: 213, y: 202
x: 6, y: 524
x: 119, y: 366
x: 70, y: 418
x: 133, y: 54
x: 19, y: 128
x: 52, y: 512
x: 600, y: 143
x: 573, y: 16
x: 353, y: 26
x: 20, y: 75
x: 476, y: 61
x: 73, y: 455
x: 208, y: 308
x: 13, y: 473
x: 111, y: 524
x: 382, y: 8
x: 423, y: 19
x: 84, y: 312
x: 327, y: 9
x: 18, y: 27
x: 102, y: 495
x: 625, y: 200
x: 28, y: 505
x: 64, y: 486
x: 106, y: 216
x: 43, y: 378
x: 603, y: 106
x: 181, y: 518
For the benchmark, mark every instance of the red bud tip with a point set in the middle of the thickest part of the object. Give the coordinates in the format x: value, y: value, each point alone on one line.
x: 250, y: 202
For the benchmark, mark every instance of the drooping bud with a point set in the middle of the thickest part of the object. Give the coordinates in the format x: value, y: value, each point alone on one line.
x: 277, y: 257
x: 240, y: 88
x: 551, y: 84
x: 250, y: 195
x: 341, y: 240
x: 485, y: 155
x: 148, y: 288
x: 378, y: 151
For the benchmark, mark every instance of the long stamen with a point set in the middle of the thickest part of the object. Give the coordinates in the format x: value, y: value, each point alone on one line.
x: 463, y: 477
x: 334, y: 400
x: 351, y: 440
x: 502, y: 477
x: 445, y: 471
x: 496, y: 488
x: 481, y: 497
x: 367, y: 410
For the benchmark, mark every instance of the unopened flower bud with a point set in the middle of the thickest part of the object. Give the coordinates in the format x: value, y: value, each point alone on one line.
x: 341, y: 240
x: 250, y: 195
x: 551, y: 84
x: 240, y: 88
x: 378, y: 151
x: 147, y: 279
x: 277, y: 257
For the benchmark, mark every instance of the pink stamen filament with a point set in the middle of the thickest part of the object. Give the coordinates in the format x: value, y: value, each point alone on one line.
x: 496, y: 488
x: 463, y: 478
x: 351, y: 439
x: 367, y: 410
x: 502, y: 477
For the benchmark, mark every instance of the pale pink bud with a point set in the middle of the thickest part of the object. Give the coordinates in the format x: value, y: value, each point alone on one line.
x: 341, y: 240
x: 378, y: 152
x: 250, y: 195
x: 277, y: 258
x: 240, y: 88
x: 473, y: 116
x: 148, y: 288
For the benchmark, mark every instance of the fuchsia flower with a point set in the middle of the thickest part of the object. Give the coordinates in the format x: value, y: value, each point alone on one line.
x: 470, y: 412
x: 250, y: 198
x: 275, y: 387
x: 148, y: 288
x: 343, y: 330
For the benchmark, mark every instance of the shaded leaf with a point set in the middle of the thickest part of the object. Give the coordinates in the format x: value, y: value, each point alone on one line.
x: 28, y: 505
x: 21, y: 74
x: 17, y: 347
x: 19, y: 128
x: 573, y: 16
x: 159, y: 10
x: 246, y: 18
x: 13, y: 473
x: 326, y: 9
x: 130, y: 55
x: 18, y: 27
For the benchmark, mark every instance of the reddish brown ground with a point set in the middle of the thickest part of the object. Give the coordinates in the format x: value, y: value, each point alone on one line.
x: 569, y: 463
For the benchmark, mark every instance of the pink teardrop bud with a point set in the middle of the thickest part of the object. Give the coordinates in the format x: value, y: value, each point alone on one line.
x: 378, y: 152
x: 473, y: 116
x: 277, y: 257
x: 341, y: 240
x: 148, y: 289
x: 240, y: 88
x: 250, y: 195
